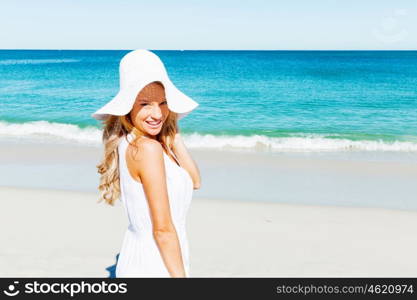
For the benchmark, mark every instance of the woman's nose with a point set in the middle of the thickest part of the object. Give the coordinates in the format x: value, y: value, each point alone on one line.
x: 156, y: 112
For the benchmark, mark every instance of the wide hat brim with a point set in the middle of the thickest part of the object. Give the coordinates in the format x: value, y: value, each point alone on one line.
x: 123, y: 102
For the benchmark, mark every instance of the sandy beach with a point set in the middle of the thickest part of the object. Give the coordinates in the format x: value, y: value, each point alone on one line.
x: 382, y: 180
x: 54, y: 233
x: 331, y: 216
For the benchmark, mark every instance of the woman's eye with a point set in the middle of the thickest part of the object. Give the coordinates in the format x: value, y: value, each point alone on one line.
x: 165, y: 102
x: 144, y: 104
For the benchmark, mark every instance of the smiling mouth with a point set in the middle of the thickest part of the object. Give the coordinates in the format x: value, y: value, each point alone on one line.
x: 154, y: 124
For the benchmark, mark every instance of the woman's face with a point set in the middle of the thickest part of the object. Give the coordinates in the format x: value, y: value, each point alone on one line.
x: 150, y: 110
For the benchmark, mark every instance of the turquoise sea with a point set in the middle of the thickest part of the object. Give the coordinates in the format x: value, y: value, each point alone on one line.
x: 258, y: 100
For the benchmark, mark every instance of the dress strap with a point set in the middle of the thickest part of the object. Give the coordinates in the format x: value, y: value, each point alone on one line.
x: 173, y: 155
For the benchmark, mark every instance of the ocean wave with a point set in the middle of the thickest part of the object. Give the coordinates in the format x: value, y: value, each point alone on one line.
x: 49, y: 131
x: 295, y: 144
x: 57, y: 132
x: 36, y: 61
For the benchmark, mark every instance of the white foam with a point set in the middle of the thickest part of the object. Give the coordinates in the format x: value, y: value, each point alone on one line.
x: 36, y: 61
x: 46, y: 131
x: 57, y: 132
x: 294, y: 144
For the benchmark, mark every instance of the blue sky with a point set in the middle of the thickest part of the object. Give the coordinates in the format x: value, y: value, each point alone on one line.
x: 186, y: 24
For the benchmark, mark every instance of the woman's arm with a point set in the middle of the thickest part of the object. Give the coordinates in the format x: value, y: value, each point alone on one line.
x: 186, y: 160
x: 148, y: 164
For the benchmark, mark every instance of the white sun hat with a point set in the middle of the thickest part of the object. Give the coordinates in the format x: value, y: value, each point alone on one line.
x: 137, y: 69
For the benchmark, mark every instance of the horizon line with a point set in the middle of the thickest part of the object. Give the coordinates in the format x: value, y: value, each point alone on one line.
x: 56, y: 49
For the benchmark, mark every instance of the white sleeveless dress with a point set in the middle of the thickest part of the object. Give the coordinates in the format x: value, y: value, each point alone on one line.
x: 139, y: 255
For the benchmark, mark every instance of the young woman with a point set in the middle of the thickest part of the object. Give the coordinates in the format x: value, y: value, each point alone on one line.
x: 147, y: 165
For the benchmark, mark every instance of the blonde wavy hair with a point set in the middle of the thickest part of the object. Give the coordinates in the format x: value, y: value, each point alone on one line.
x: 114, y: 129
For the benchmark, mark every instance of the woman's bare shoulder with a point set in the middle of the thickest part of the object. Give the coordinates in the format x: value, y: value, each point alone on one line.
x: 143, y: 148
x: 145, y: 158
